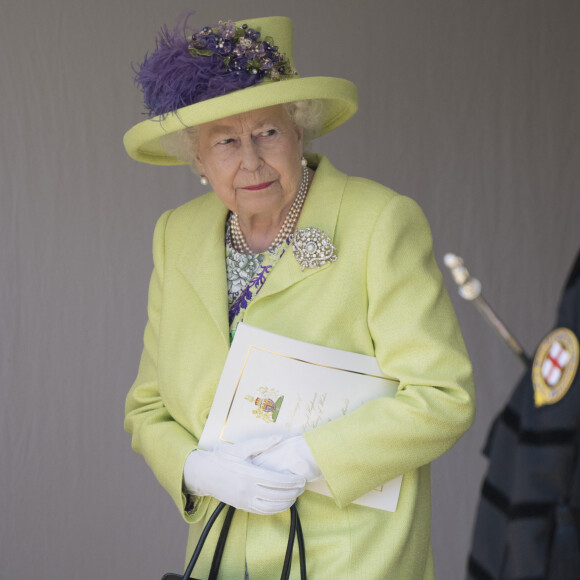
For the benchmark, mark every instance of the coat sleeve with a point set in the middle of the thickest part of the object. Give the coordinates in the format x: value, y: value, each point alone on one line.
x: 163, y: 442
x: 417, y: 340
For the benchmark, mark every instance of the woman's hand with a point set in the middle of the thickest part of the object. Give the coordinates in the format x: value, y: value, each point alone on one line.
x: 239, y: 483
x: 289, y: 456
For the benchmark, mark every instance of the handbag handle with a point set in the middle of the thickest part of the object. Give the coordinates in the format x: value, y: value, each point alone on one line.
x: 221, y: 544
x: 301, y: 549
x: 295, y: 530
x: 218, y: 510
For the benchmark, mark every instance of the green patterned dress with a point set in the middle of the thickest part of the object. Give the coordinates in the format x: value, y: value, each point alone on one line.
x: 246, y: 275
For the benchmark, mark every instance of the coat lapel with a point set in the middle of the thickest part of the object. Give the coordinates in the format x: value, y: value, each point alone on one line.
x: 320, y: 211
x: 202, y: 260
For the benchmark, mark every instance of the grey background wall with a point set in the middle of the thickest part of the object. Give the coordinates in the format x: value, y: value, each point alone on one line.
x: 472, y: 108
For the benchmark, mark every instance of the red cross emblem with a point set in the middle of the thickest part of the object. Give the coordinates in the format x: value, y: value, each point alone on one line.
x: 555, y: 363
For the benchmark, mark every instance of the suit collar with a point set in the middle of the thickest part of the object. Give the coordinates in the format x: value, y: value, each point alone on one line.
x: 202, y: 258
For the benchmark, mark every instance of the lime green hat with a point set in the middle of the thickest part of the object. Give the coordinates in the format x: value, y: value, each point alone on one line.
x: 223, y: 71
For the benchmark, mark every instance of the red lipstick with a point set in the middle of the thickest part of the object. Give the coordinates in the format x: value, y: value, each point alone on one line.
x: 259, y: 186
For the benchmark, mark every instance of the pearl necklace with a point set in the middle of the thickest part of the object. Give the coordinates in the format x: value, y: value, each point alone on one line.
x: 238, y: 239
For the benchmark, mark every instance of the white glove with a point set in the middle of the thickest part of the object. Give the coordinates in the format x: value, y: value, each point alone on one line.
x: 290, y: 456
x: 238, y: 483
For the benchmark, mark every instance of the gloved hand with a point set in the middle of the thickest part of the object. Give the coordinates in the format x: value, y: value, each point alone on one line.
x: 290, y: 455
x: 238, y: 483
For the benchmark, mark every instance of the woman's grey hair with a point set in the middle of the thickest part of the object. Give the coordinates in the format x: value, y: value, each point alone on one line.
x: 308, y: 115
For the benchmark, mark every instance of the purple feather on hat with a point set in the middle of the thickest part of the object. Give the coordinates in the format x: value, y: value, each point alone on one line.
x: 171, y: 78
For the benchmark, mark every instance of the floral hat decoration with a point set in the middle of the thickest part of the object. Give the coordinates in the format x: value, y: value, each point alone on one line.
x: 196, y: 77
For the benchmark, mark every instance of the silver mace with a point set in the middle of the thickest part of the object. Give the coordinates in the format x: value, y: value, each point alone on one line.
x: 470, y: 289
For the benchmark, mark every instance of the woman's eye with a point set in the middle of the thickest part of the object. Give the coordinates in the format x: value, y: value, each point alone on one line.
x: 268, y: 133
x: 225, y: 142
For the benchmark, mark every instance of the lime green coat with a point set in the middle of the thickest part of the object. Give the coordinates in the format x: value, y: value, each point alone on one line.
x: 384, y: 296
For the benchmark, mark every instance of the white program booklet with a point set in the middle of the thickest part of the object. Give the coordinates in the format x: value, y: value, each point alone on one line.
x: 274, y: 385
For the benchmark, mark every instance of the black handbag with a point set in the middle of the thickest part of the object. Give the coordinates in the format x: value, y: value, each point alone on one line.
x: 295, y: 530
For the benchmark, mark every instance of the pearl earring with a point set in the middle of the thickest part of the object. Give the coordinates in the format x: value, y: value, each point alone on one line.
x: 203, y: 180
x: 303, y: 162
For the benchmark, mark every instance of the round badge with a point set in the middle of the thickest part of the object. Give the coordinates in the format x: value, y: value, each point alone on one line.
x: 554, y: 367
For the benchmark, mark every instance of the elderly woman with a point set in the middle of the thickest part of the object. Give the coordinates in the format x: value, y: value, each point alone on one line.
x: 228, y: 100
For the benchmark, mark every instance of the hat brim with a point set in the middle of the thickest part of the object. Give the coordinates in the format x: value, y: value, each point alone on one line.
x: 339, y: 96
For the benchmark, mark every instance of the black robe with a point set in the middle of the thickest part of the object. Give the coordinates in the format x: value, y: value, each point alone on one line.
x: 528, y: 518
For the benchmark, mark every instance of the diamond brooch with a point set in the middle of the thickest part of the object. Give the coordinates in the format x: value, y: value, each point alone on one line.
x: 313, y: 248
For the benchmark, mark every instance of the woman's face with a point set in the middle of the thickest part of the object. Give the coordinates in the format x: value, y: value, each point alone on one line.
x: 252, y: 160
